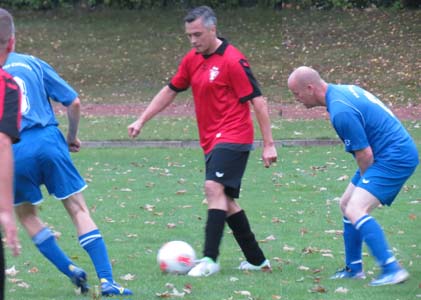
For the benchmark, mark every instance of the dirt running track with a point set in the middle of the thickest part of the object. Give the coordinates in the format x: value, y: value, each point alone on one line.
x: 289, y: 111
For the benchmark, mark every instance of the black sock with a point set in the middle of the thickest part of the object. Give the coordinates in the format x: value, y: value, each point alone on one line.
x: 213, y: 232
x: 245, y: 238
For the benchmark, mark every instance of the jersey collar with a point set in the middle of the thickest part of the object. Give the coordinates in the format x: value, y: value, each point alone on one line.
x: 220, y: 50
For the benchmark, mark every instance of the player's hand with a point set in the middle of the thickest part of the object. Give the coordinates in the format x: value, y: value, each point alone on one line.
x: 269, y: 155
x: 74, y: 145
x: 134, y: 129
x: 11, y: 233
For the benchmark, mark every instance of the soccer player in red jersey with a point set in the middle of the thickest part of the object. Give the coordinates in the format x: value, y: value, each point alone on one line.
x: 223, y: 88
x: 10, y: 117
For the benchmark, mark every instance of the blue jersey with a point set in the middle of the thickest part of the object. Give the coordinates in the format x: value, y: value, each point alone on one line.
x: 39, y: 84
x: 362, y: 120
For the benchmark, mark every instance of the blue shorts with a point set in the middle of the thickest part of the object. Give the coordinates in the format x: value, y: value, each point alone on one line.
x: 42, y: 157
x: 382, y: 182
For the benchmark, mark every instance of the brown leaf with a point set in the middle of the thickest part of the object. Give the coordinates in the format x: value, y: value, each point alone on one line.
x: 303, y: 231
x: 188, y: 288
x: 318, y: 289
x: 33, y: 270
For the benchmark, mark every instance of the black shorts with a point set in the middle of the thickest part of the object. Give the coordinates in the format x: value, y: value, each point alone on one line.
x: 227, y: 167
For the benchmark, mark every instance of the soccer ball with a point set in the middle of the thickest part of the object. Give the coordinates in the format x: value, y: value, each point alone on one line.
x: 176, y: 257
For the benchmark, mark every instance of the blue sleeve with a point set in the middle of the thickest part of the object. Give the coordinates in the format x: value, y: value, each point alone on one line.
x: 56, y: 87
x: 350, y: 129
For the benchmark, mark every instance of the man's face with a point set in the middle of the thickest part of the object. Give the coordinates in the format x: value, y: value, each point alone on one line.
x: 303, y: 94
x: 201, y: 37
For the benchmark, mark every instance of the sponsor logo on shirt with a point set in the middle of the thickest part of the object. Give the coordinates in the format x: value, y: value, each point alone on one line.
x: 213, y: 73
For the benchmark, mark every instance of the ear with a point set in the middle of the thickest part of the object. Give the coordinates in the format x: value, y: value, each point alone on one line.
x: 213, y: 29
x: 11, y: 45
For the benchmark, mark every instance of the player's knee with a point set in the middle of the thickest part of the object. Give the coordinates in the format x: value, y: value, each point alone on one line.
x: 213, y: 189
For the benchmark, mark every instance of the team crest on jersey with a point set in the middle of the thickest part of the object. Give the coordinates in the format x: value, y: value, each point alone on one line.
x: 213, y: 73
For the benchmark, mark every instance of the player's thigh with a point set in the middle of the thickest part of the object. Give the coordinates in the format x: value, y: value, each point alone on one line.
x: 384, y: 183
x: 362, y: 201
x: 60, y: 175
x: 227, y: 167
x: 346, y: 196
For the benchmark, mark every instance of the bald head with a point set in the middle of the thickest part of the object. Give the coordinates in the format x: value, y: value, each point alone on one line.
x: 307, y: 86
x: 303, y: 76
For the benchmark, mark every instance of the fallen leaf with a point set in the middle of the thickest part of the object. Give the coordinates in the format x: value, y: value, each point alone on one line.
x: 149, y: 207
x: 288, y: 248
x: 128, y: 277
x: 303, y: 268
x: 318, y: 289
x: 33, y: 270
x: 11, y: 271
x: 341, y: 290
x: 243, y: 293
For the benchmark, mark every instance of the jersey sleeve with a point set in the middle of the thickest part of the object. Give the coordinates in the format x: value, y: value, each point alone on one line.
x: 56, y: 87
x: 242, y: 80
x: 10, y: 115
x: 181, y: 80
x: 350, y: 129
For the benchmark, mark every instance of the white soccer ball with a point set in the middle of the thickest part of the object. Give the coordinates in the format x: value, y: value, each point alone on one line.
x: 176, y: 257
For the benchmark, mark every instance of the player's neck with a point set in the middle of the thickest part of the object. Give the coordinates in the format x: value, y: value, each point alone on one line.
x: 214, y: 47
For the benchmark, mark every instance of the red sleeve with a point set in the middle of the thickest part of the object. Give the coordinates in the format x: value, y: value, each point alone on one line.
x: 181, y: 80
x: 242, y: 80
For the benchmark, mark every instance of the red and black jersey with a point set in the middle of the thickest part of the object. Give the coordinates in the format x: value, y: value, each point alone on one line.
x: 10, y: 114
x: 222, y: 83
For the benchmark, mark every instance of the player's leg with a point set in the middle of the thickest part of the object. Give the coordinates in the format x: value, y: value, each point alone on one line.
x: 358, y: 211
x: 67, y: 185
x: 222, y: 181
x: 44, y: 239
x: 217, y: 211
x: 214, y: 229
x: 238, y: 222
x: 92, y: 242
x: 352, y: 243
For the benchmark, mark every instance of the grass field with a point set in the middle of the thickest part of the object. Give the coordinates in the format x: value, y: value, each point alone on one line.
x: 141, y: 198
x: 127, y: 56
x: 185, y: 128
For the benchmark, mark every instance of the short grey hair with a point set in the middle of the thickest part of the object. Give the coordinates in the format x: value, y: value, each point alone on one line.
x: 205, y: 12
x: 7, y: 27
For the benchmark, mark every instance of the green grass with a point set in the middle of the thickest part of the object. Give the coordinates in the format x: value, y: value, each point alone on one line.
x: 93, y: 128
x: 296, y: 202
x: 127, y: 56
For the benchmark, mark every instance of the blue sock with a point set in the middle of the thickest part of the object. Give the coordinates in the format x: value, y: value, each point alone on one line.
x: 46, y: 243
x: 93, y: 243
x: 353, y: 246
x: 374, y: 237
